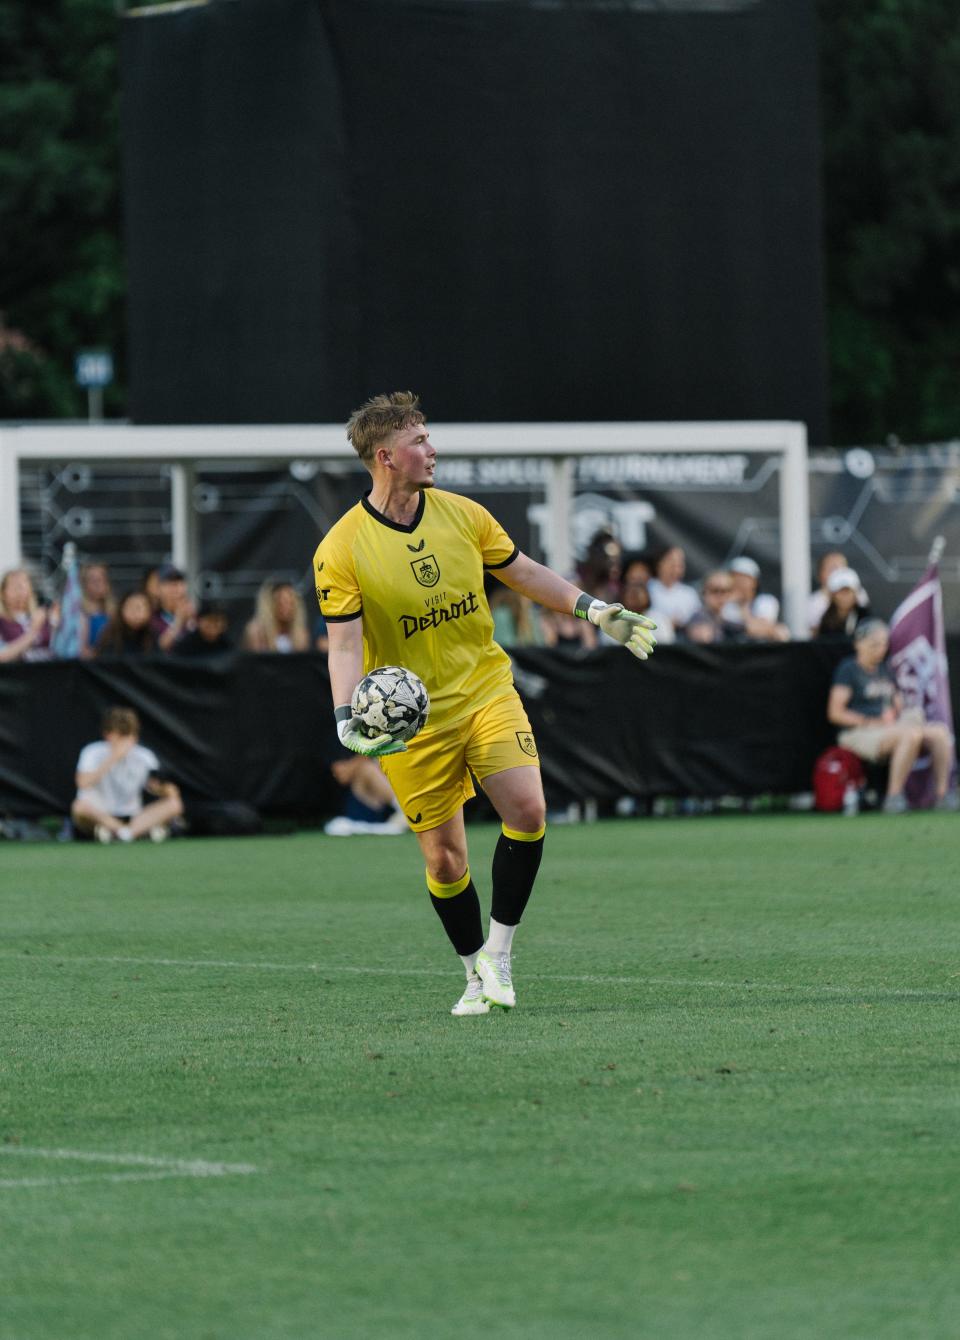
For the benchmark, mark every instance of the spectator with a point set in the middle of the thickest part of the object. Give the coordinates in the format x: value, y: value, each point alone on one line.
x: 176, y: 614
x: 211, y: 636
x: 369, y: 805
x: 280, y: 621
x: 151, y: 587
x: 634, y: 594
x: 671, y: 598
x: 112, y: 775
x: 129, y: 632
x: 99, y: 605
x: 564, y: 630
x: 817, y: 603
x: 865, y: 705
x: 516, y: 621
x: 756, y: 615
x: 844, y: 612
x: 599, y: 573
x: 710, y: 626
x: 26, y: 626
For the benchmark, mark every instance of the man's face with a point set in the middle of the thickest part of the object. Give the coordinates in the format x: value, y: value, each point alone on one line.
x: 744, y: 587
x: 413, y: 456
x: 717, y: 591
x: 172, y: 593
x: 873, y: 648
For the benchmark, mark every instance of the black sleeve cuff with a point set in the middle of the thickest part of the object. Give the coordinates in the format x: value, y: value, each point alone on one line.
x: 492, y: 567
x: 342, y: 618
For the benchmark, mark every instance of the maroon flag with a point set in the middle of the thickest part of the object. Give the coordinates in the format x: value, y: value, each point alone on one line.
x: 918, y: 658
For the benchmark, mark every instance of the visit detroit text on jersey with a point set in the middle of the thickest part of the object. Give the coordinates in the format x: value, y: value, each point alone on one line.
x: 419, y: 589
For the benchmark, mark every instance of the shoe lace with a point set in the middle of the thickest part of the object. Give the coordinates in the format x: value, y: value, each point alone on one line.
x: 474, y: 987
x: 501, y: 963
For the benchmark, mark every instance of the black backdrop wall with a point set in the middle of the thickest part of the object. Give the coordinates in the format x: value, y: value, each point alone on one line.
x: 692, y: 721
x: 523, y: 210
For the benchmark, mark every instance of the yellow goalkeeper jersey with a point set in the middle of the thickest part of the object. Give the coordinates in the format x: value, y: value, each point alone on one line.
x: 419, y: 590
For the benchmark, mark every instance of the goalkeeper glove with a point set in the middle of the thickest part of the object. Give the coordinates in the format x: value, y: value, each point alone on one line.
x: 630, y: 630
x: 350, y: 731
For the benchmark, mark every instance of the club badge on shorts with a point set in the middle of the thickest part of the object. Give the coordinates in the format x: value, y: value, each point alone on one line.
x: 527, y: 743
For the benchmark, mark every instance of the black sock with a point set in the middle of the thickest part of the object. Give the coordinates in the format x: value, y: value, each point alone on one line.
x: 515, y: 866
x: 461, y: 919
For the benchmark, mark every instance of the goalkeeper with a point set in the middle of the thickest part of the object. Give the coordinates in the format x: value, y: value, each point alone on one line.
x: 400, y: 582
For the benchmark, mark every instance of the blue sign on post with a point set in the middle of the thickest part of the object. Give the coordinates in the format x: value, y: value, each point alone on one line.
x: 94, y: 367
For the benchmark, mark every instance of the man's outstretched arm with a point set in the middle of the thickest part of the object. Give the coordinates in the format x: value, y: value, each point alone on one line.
x: 548, y: 588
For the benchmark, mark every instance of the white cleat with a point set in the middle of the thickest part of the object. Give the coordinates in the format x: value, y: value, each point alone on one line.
x: 472, y: 1001
x: 102, y: 833
x: 494, y: 971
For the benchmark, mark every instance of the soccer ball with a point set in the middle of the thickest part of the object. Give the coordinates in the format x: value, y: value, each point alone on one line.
x: 391, y: 700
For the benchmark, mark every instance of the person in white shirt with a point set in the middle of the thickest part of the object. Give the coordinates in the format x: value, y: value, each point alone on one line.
x: 758, y: 615
x: 671, y: 598
x: 112, y: 775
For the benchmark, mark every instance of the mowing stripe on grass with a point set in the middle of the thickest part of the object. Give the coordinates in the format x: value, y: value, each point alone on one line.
x: 589, y: 979
x: 153, y: 1168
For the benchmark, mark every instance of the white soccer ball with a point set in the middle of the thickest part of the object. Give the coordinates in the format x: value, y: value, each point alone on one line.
x: 391, y: 700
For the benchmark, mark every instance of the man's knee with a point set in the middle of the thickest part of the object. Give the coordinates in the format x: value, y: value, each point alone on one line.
x: 527, y: 815
x: 445, y: 865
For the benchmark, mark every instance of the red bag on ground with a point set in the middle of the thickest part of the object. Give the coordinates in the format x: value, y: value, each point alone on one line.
x: 833, y: 772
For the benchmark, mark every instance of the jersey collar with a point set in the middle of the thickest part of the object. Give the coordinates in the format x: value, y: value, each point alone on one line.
x: 395, y: 525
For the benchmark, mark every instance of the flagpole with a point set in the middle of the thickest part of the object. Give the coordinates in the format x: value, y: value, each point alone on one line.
x: 936, y: 550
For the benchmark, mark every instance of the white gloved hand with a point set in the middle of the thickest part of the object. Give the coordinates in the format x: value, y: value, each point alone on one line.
x: 630, y: 630
x: 350, y: 731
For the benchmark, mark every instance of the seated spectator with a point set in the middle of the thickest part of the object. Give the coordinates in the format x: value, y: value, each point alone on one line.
x: 128, y: 633
x: 26, y: 626
x: 865, y: 705
x: 819, y: 600
x: 151, y: 587
x: 844, y: 613
x: 710, y: 626
x: 599, y: 573
x: 634, y: 595
x: 564, y: 630
x: 757, y: 615
x: 516, y: 620
x: 210, y: 637
x: 98, y: 603
x: 280, y: 621
x: 369, y: 805
x: 176, y: 614
x: 671, y: 598
x: 112, y: 775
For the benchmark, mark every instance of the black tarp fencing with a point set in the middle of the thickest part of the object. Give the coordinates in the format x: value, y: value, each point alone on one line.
x: 572, y: 210
x: 689, y: 722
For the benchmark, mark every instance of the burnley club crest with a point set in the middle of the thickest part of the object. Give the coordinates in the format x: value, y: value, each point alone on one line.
x: 426, y: 569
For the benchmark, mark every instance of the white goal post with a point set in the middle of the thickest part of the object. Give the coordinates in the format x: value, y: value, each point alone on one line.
x: 184, y: 448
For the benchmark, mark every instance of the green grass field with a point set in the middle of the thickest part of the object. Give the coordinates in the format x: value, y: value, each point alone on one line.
x: 726, y: 1106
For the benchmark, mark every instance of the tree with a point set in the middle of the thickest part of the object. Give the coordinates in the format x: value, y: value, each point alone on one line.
x: 890, y: 75
x: 62, y: 282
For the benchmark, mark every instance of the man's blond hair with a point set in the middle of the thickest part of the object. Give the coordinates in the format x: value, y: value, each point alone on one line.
x: 380, y: 416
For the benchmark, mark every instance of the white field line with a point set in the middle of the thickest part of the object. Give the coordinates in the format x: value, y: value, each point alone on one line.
x: 593, y: 979
x: 150, y: 1167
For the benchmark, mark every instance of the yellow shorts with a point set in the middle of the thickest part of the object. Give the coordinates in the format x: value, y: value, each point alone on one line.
x: 432, y: 779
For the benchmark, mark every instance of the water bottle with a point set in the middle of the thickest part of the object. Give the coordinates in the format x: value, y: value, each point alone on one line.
x: 851, y: 799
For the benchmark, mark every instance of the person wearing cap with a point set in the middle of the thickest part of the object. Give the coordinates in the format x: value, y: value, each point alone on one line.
x: 865, y: 705
x: 846, y: 611
x: 175, y: 615
x: 756, y: 615
x: 819, y: 599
